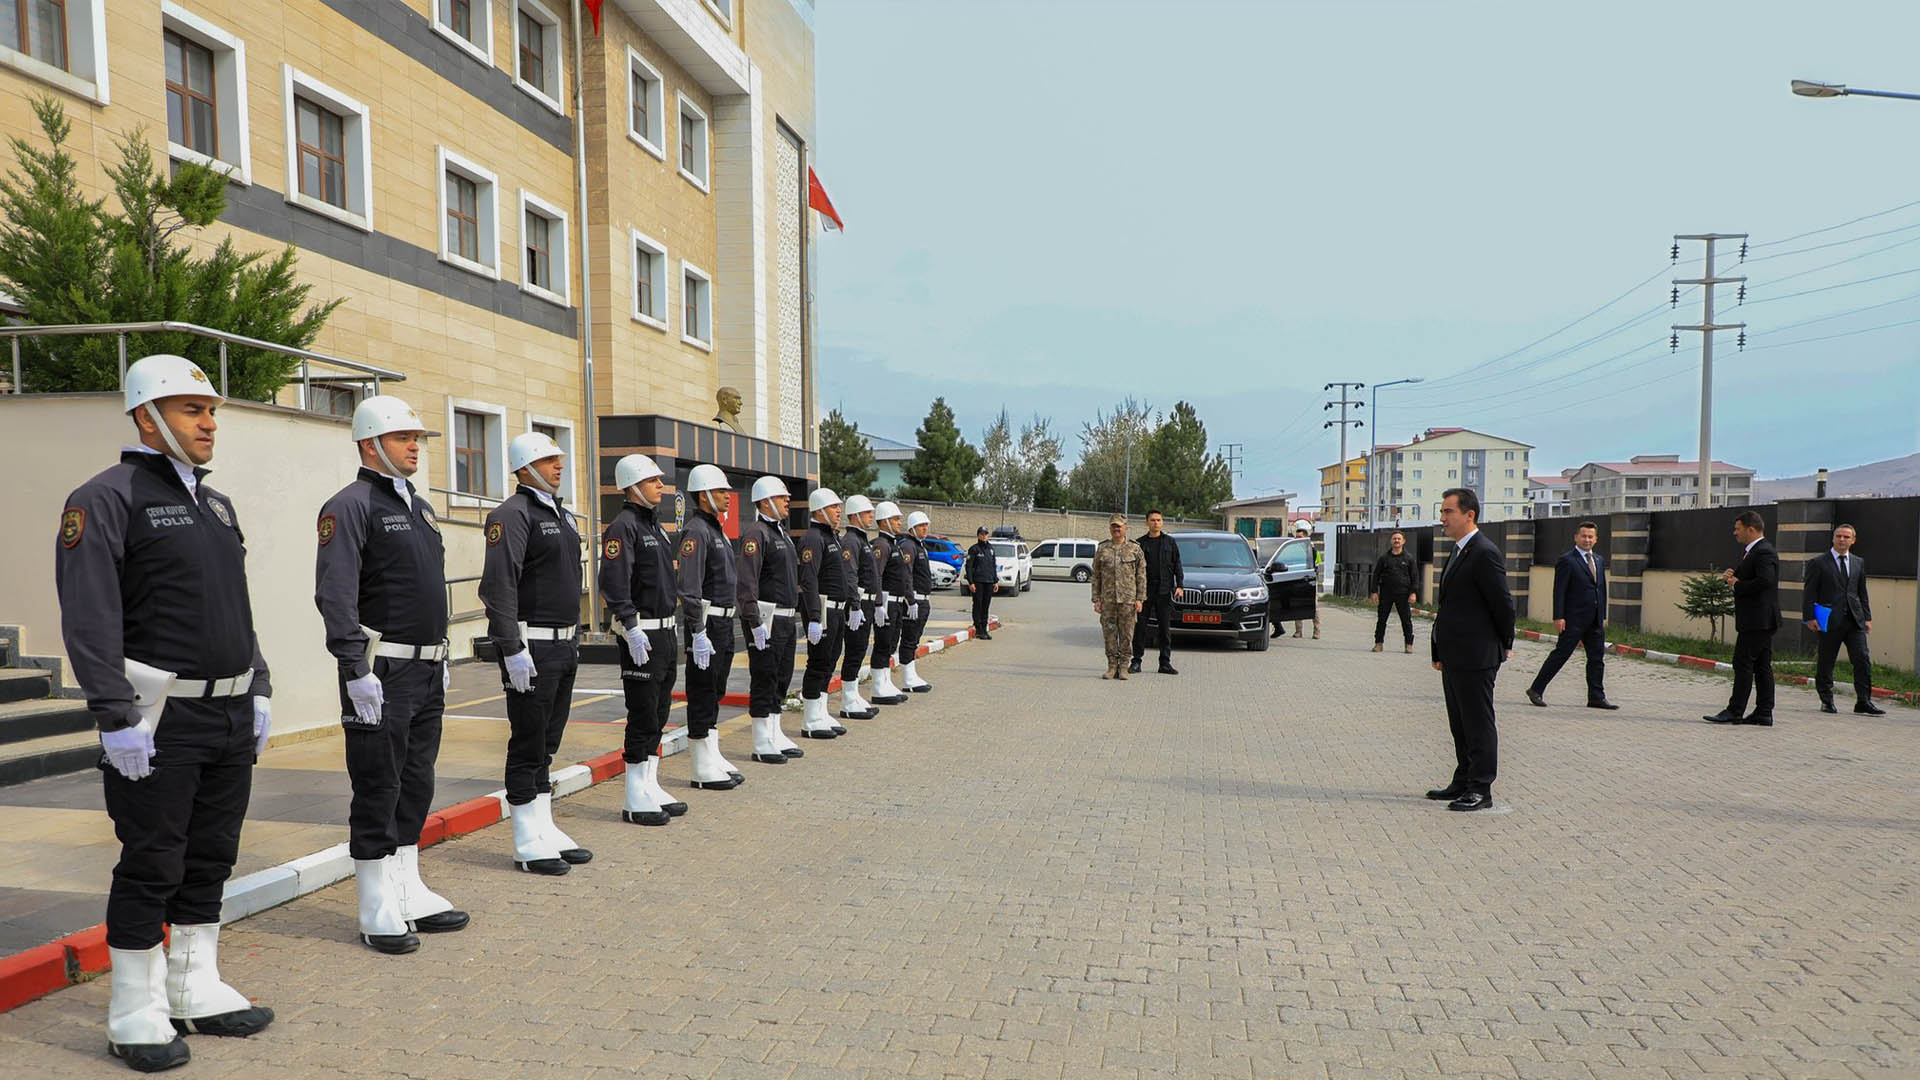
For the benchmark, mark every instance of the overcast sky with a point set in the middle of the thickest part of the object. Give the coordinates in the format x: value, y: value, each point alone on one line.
x: 1054, y: 203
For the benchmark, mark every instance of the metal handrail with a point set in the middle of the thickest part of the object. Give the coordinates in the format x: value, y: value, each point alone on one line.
x: 307, y: 357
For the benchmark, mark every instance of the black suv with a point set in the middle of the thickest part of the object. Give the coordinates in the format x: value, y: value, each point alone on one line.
x: 1224, y: 594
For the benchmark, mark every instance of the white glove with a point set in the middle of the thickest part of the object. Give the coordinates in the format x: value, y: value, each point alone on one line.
x: 814, y: 631
x: 130, y: 750
x: 446, y: 676
x: 880, y: 611
x: 855, y: 618
x: 520, y: 671
x: 702, y: 650
x: 262, y: 724
x: 760, y: 636
x: 367, y: 696
x: 638, y: 645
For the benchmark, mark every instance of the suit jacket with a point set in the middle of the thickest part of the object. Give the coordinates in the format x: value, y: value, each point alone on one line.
x: 1473, y: 628
x: 1580, y: 597
x: 1756, y: 589
x: 1823, y: 586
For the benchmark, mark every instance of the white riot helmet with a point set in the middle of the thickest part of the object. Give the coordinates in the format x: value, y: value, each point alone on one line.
x: 1303, y: 525
x: 917, y: 519
x: 384, y: 414
x: 633, y: 469
x: 886, y: 511
x: 526, y: 449
x: 858, y: 504
x: 161, y: 375
x: 821, y: 499
x: 706, y: 478
x: 769, y: 486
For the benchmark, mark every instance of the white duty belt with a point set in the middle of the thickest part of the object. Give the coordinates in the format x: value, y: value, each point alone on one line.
x: 547, y: 633
x: 396, y: 650
x: 769, y: 610
x: 654, y: 624
x: 232, y: 686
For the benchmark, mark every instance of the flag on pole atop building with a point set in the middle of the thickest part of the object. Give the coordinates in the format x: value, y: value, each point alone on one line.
x: 593, y: 8
x: 817, y: 199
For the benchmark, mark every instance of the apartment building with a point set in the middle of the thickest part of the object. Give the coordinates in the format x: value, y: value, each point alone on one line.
x: 1655, y: 482
x: 1412, y: 476
x: 1353, y: 475
x: 1550, y: 496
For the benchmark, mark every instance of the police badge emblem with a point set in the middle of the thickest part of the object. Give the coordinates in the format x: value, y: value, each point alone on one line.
x: 687, y: 546
x: 806, y: 555
x: 610, y: 550
x: 220, y: 511
x: 494, y: 532
x: 751, y: 548
x: 72, y: 524
x: 327, y: 526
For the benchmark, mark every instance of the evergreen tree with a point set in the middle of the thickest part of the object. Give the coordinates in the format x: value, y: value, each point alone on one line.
x: 1048, y: 491
x: 1706, y: 596
x: 945, y: 464
x: 846, y: 461
x: 1182, y: 479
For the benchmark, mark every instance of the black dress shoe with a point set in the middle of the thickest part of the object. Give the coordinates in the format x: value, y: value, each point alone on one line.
x: 1451, y: 791
x: 829, y: 733
x: 1759, y: 720
x: 770, y: 759
x: 1722, y: 717
x: 1133, y: 666
x: 982, y: 635
x: 1601, y: 703
x: 715, y: 785
x: 241, y: 1023
x: 792, y: 752
x: 444, y: 923
x: 549, y: 867
x: 391, y: 944
x: 646, y: 817
x: 1536, y: 697
x: 837, y: 729
x: 1472, y: 800
x: 1868, y: 708
x: 1828, y: 707
x: 674, y: 809
x: 1169, y: 669
x: 152, y: 1057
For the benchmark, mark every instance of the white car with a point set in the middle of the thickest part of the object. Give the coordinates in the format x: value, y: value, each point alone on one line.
x: 943, y: 574
x: 1013, y: 560
x: 1069, y: 558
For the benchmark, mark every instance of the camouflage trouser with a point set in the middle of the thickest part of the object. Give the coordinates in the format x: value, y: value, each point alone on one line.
x: 1116, y: 624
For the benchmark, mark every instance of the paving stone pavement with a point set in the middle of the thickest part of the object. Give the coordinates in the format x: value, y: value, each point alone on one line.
x: 1034, y: 873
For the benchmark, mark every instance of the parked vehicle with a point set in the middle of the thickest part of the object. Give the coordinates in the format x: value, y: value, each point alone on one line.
x: 1014, y: 562
x: 1005, y: 532
x: 1224, y: 595
x: 943, y: 575
x: 1293, y: 582
x: 1069, y: 558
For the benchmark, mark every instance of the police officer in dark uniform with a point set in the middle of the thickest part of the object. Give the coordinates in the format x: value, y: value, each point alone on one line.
x: 530, y: 587
x: 981, y: 574
x: 857, y: 515
x: 709, y: 595
x: 380, y: 585
x: 151, y: 572
x: 896, y: 596
x: 826, y: 586
x: 637, y: 581
x: 769, y: 593
x: 920, y: 610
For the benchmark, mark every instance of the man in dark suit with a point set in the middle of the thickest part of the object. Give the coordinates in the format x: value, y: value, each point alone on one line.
x: 1580, y: 615
x: 1472, y: 633
x: 1756, y: 617
x: 1837, y: 580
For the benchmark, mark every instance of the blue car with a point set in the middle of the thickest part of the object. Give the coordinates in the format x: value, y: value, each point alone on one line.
x: 941, y: 549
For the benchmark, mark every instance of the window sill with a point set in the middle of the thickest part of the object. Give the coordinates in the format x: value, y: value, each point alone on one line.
x: 703, y: 346
x: 648, y: 320
x: 647, y: 144
x: 695, y: 181
x: 548, y: 295
x: 539, y: 95
x: 52, y: 76
x: 485, y: 56
x: 235, y: 172
x: 362, y: 222
x: 461, y: 262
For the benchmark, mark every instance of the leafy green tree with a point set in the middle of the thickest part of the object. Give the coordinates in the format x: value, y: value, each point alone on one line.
x: 1003, y: 481
x: 1182, y: 479
x: 846, y: 461
x: 1099, y: 479
x: 1049, y: 493
x: 1706, y: 596
x: 68, y: 259
x: 944, y: 465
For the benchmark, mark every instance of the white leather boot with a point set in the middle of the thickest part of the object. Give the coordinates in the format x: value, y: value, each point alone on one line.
x: 138, y: 1031
x: 196, y: 998
x: 674, y: 807
x: 709, y: 768
x: 425, y: 911
x: 765, y: 750
x: 814, y: 722
x: 570, y: 851
x: 713, y: 737
x: 852, y: 705
x: 787, y: 746
x: 884, y: 692
x: 911, y: 680
x: 382, y: 927
x: 640, y: 808
x: 533, y: 850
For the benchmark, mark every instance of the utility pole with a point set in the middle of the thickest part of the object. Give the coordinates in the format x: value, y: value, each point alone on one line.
x: 1343, y: 423
x: 1232, y: 452
x: 1706, y: 327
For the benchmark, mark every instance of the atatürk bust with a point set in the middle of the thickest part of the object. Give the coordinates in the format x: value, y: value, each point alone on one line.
x: 729, y: 401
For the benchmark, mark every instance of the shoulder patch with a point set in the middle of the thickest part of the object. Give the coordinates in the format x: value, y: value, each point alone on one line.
x: 495, y: 531
x: 327, y: 528
x: 806, y: 554
x: 611, y: 549
x: 846, y: 554
x: 220, y: 511
x: 688, y: 546
x: 751, y: 547
x: 72, y: 524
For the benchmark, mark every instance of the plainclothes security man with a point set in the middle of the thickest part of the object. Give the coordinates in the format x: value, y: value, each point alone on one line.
x: 381, y: 586
x: 530, y: 586
x: 151, y: 572
x: 896, y: 596
x: 1304, y: 529
x: 917, y: 613
x: 858, y: 517
x: 641, y: 592
x: 1119, y: 592
x: 709, y: 593
x: 981, y: 572
x: 769, y: 599
x: 826, y: 586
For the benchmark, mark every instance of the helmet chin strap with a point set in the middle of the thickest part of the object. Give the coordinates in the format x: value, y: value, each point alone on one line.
x: 640, y: 493
x: 380, y: 449
x: 166, y: 434
x: 533, y: 477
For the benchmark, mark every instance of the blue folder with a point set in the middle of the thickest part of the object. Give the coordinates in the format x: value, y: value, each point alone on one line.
x: 1821, y: 613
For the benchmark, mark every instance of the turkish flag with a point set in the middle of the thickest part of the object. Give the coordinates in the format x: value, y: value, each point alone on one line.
x: 593, y: 8
x: 817, y: 199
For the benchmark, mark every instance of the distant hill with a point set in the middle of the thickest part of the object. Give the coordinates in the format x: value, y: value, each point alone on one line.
x: 1896, y: 476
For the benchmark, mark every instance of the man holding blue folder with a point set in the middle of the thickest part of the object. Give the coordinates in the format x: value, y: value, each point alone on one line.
x: 1834, y: 605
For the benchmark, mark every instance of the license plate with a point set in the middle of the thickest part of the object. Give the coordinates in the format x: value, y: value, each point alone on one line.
x: 1212, y: 618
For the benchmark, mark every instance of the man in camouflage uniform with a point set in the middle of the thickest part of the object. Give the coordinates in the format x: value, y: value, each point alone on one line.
x: 1119, y: 586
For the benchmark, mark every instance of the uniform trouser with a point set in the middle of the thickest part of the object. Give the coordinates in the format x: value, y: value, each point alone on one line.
x: 1116, y: 624
x: 538, y: 718
x: 823, y: 655
x: 1160, y: 607
x: 1842, y: 630
x: 1391, y: 602
x: 886, y: 639
x: 390, y: 766
x: 911, y: 627
x: 856, y: 644
x: 1752, y: 671
x: 706, y: 688
x: 179, y: 828
x: 982, y: 599
x: 771, y: 668
x: 1594, y: 637
x: 1476, y: 742
x: 648, y: 689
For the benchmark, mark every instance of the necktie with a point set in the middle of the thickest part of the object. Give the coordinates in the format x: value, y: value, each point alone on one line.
x: 1843, y: 570
x: 1588, y: 555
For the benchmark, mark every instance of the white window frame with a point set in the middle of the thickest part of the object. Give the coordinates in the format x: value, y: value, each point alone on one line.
x: 565, y: 440
x: 686, y: 106
x: 500, y: 480
x: 686, y: 332
x: 488, y: 208
x: 662, y: 282
x: 230, y: 93
x: 356, y: 138
x: 559, y: 257
x: 483, y: 21
x: 723, y: 11
x: 86, y: 74
x: 653, y: 141
x: 555, y: 54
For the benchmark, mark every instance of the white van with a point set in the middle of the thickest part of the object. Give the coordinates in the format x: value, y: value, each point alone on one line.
x: 1069, y: 558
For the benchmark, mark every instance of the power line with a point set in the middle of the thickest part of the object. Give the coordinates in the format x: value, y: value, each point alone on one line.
x: 1636, y: 286
x: 1841, y: 225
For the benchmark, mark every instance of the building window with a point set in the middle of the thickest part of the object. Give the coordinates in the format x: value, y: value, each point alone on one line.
x: 649, y: 281
x: 470, y: 466
x: 37, y: 28
x: 1417, y: 455
x: 543, y: 242
x: 59, y: 42
x: 646, y: 106
x: 561, y: 432
x: 1453, y: 474
x: 468, y: 24
x: 693, y: 143
x: 206, y: 88
x: 1453, y: 455
x: 696, y: 288
x: 470, y: 212
x: 536, y: 49
x: 724, y: 9
x: 193, y: 115
x: 1509, y: 456
x: 329, y: 143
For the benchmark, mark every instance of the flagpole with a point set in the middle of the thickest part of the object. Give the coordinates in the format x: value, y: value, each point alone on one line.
x: 592, y: 457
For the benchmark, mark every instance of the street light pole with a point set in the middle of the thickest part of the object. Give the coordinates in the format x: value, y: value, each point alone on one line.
x: 1373, y: 442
